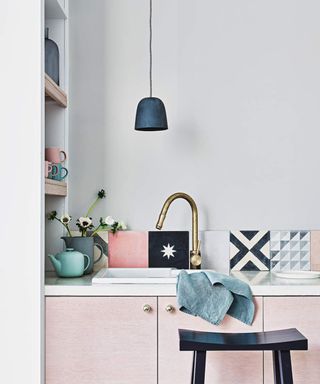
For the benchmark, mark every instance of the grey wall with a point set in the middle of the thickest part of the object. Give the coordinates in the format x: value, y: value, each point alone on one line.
x: 241, y: 83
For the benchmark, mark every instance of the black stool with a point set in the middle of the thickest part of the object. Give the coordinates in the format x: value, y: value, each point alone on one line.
x: 279, y: 342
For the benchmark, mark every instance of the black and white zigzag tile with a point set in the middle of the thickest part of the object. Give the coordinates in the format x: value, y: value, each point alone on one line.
x: 290, y: 250
x: 250, y: 250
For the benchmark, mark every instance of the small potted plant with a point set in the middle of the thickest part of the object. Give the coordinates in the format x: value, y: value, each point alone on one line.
x: 85, y: 242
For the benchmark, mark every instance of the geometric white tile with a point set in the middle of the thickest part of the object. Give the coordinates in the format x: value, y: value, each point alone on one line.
x: 290, y: 250
x: 250, y: 250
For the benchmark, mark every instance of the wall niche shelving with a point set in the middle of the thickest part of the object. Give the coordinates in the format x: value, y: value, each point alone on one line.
x: 56, y: 122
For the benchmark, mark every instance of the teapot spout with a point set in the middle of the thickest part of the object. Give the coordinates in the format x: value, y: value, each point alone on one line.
x: 56, y: 263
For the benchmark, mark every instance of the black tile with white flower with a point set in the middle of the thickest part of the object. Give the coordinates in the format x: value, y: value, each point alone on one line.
x: 169, y: 249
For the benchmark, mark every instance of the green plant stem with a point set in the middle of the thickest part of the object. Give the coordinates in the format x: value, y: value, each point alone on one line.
x: 67, y: 227
x: 96, y: 230
x: 92, y: 206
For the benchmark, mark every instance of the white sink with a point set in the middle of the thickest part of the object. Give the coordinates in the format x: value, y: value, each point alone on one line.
x: 298, y: 274
x: 137, y: 276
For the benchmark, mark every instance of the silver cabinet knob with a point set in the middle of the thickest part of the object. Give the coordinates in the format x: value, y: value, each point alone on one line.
x: 170, y: 308
x: 147, y: 308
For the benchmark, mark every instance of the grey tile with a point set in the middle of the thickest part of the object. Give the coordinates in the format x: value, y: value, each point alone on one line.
x: 215, y: 250
x: 290, y: 250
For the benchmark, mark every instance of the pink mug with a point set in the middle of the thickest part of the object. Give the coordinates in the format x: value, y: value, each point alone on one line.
x: 50, y: 168
x: 55, y: 155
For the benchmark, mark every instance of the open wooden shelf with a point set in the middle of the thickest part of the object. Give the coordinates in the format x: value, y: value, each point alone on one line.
x: 54, y: 92
x: 55, y: 188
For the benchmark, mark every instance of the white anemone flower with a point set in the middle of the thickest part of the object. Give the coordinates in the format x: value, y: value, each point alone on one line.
x: 121, y: 225
x: 65, y: 219
x: 109, y: 220
x: 85, y: 222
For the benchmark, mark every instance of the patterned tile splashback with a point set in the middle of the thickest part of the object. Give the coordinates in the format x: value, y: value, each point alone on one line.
x: 270, y: 250
x: 153, y: 249
x: 238, y: 250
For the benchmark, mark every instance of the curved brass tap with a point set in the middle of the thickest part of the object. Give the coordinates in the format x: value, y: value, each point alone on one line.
x: 195, y: 256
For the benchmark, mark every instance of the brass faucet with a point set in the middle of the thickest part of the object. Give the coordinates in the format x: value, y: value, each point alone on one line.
x: 195, y: 255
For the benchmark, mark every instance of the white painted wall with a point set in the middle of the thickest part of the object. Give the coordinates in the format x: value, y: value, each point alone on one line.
x: 21, y: 192
x: 241, y: 83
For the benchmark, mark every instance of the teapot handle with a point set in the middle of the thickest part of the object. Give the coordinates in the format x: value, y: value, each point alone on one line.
x: 101, y: 252
x: 88, y: 263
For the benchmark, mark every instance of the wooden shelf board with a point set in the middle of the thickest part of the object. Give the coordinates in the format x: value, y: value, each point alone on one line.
x: 54, y: 10
x: 54, y: 92
x: 55, y: 188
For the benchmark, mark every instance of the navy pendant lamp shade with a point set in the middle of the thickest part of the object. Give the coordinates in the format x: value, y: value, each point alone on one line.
x: 151, y: 113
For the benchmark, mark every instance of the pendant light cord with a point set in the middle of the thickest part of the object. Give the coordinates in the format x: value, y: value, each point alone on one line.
x: 150, y: 48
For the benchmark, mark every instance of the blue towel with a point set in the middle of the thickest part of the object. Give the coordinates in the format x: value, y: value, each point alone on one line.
x: 212, y: 295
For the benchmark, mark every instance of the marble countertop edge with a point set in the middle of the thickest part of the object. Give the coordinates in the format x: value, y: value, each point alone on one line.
x: 261, y: 283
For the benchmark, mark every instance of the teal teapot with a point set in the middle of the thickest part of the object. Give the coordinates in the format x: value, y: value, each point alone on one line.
x: 70, y: 263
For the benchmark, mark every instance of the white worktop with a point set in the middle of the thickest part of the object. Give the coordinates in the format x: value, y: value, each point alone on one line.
x: 262, y: 284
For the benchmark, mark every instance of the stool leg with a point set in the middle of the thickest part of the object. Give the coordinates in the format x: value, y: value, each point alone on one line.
x: 199, y: 367
x: 276, y: 367
x: 193, y: 363
x: 285, y: 367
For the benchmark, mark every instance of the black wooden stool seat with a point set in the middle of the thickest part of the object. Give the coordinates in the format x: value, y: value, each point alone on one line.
x: 280, y: 342
x: 286, y: 339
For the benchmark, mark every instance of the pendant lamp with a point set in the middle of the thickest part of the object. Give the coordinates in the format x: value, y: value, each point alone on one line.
x: 151, y: 112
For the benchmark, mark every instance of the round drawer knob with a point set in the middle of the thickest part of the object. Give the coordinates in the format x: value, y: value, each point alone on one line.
x: 147, y: 308
x: 169, y: 308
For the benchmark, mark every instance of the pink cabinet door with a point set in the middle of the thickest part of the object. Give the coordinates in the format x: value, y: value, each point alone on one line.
x: 221, y: 367
x: 101, y: 340
x: 302, y: 313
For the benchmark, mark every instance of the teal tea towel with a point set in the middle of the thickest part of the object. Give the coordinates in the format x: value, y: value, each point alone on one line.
x: 212, y: 295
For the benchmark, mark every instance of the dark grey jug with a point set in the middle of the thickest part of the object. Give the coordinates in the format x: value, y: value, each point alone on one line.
x: 86, y: 246
x: 51, y: 58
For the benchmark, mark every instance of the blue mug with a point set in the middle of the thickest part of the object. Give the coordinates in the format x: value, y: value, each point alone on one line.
x: 61, y: 173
